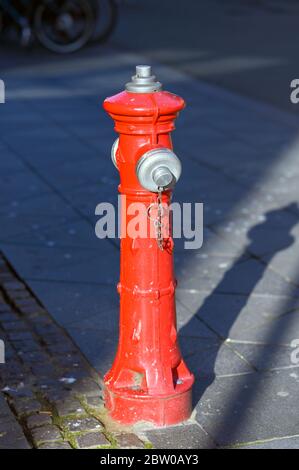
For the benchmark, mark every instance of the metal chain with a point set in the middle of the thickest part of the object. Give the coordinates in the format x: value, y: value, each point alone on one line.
x: 159, y: 223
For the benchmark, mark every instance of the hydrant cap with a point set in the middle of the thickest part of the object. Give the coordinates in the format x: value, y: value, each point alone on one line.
x: 143, y: 81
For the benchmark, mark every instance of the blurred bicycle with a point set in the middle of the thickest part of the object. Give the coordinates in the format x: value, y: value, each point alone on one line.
x: 62, y: 26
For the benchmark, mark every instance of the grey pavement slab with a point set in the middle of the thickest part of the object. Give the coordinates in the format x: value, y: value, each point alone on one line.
x: 9, y: 162
x: 71, y: 174
x: 291, y: 442
x: 267, y: 356
x: 22, y: 217
x: 208, y: 358
x: 189, y: 436
x: 98, y: 345
x: 255, y: 319
x: 73, y: 303
x: 20, y: 185
x: 65, y: 264
x: 73, y: 233
x: 85, y: 199
x: 212, y: 245
x: 190, y: 328
x: 243, y: 276
x: 248, y: 407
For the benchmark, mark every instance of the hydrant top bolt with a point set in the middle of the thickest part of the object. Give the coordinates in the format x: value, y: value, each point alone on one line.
x: 143, y: 71
x: 143, y: 81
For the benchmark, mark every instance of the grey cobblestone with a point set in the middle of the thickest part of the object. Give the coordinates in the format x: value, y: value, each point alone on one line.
x: 83, y: 424
x: 55, y: 445
x: 93, y: 439
x: 40, y: 419
x: 11, y: 433
x: 93, y: 401
x: 129, y: 441
x: 45, y: 433
x: 70, y: 407
x: 25, y: 407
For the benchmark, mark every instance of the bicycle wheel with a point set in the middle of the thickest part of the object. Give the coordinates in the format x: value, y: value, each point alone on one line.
x: 106, y: 19
x: 64, y: 26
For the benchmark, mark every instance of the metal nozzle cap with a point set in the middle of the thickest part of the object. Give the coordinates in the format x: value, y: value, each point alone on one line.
x: 163, y: 177
x: 158, y: 168
x: 143, y: 81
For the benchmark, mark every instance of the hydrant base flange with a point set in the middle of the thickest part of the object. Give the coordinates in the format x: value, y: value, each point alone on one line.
x: 159, y: 411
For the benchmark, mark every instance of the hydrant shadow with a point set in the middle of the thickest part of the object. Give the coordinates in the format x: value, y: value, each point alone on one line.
x: 243, y: 285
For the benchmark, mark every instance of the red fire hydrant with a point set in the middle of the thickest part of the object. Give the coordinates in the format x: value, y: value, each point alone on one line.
x: 149, y: 380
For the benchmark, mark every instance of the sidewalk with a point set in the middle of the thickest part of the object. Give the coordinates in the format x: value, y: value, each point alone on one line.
x: 237, y: 297
x: 49, y: 393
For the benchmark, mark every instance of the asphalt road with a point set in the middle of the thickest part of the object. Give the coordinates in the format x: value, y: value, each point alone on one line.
x: 247, y: 46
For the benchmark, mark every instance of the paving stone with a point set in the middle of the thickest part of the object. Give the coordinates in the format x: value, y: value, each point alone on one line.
x: 85, y: 386
x: 11, y: 433
x: 64, y: 264
x: 20, y: 336
x: 14, y: 285
x: 243, y: 277
x: 205, y: 357
x: 27, y: 213
x: 45, y: 369
x: 94, y: 401
x: 88, y: 341
x: 76, y: 303
x: 192, y: 328
x: 14, y: 439
x: 266, y: 357
x: 129, y: 441
x: 291, y: 442
x: 83, y: 424
x: 8, y: 316
x: 23, y: 406
x: 69, y: 407
x: 34, y: 357
x: 256, y: 319
x: 249, y: 407
x: 92, y: 439
x: 187, y: 436
x: 45, y: 433
x: 44, y: 328
x: 57, y: 348
x: 19, y: 392
x: 14, y: 325
x: 70, y: 362
x: 27, y: 346
x: 55, y: 445
x: 37, y: 420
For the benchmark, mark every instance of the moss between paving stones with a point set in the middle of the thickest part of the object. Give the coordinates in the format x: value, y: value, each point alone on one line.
x: 101, y: 414
x: 148, y: 445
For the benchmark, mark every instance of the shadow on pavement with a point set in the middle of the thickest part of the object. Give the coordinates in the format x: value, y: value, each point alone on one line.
x: 280, y: 241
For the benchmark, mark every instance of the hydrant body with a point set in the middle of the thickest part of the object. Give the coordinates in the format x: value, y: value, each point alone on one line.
x: 149, y: 380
